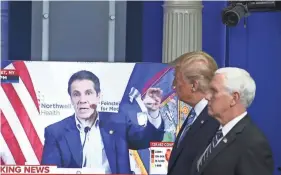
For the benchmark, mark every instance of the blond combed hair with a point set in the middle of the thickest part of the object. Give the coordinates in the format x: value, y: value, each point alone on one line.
x: 197, y: 66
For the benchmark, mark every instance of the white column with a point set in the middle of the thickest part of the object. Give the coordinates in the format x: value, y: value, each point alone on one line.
x: 45, y: 30
x: 182, y: 28
x: 111, y: 32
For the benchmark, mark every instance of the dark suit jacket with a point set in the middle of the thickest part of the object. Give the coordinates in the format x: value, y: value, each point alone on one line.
x: 197, y: 137
x: 63, y: 146
x: 243, y: 151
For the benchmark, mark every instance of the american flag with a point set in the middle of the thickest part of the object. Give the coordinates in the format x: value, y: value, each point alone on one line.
x: 19, y: 140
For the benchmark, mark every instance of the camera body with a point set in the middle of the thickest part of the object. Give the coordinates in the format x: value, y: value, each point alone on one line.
x: 236, y: 10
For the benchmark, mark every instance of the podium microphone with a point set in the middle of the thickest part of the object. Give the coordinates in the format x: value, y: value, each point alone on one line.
x: 86, y: 130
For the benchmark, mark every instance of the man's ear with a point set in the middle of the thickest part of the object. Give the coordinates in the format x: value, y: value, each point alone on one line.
x: 195, y: 85
x: 235, y: 98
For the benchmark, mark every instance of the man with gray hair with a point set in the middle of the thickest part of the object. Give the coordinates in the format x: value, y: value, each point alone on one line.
x: 239, y: 147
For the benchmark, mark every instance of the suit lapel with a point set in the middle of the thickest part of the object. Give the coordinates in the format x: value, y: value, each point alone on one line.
x: 194, y: 127
x: 223, y: 143
x: 180, y: 131
x: 74, y: 142
x: 108, y: 139
x: 227, y: 140
x: 198, y: 123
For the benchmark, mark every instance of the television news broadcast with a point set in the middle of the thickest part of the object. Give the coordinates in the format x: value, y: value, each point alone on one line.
x: 87, y: 118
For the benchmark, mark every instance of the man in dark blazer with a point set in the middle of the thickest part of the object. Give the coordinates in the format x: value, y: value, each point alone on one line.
x: 193, y: 72
x: 239, y: 147
x: 100, y: 140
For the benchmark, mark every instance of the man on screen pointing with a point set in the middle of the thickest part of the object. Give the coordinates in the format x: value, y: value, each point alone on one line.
x: 99, y: 140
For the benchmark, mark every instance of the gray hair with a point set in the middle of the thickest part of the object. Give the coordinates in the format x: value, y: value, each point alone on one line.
x: 240, y: 81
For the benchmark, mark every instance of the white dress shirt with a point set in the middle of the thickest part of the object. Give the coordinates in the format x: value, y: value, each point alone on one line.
x: 199, y: 107
x: 94, y: 151
x: 227, y: 127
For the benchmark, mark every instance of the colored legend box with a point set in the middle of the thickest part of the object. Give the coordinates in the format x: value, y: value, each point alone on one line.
x: 159, y: 157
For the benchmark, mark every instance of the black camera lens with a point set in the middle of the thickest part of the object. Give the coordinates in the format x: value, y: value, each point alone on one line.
x: 232, y: 16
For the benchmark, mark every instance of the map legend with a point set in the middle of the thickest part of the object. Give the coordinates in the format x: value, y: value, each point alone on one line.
x: 159, y: 157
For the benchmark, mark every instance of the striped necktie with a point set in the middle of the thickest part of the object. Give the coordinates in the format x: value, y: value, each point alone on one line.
x: 209, y: 149
x: 189, y: 119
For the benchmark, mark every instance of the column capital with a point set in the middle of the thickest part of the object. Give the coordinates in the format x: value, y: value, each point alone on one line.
x: 182, y: 30
x: 182, y: 3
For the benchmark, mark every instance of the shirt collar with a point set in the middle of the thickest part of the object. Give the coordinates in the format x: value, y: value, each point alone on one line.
x: 226, y: 128
x: 199, y: 107
x: 79, y: 124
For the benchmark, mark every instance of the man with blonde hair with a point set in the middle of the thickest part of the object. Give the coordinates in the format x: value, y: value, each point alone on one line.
x: 193, y: 72
x: 239, y: 147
